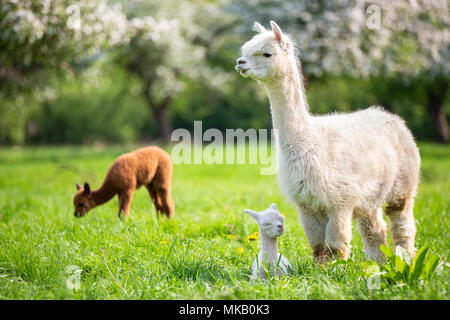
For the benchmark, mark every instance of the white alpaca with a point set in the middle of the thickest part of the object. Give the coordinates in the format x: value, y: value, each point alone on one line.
x: 270, y: 223
x: 339, y: 166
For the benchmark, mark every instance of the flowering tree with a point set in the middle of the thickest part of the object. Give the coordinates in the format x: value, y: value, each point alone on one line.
x: 39, y: 38
x: 406, y: 39
x: 151, y: 40
x: 165, y: 49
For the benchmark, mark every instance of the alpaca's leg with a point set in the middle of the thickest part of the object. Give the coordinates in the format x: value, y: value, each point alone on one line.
x: 160, y: 187
x: 339, y: 233
x: 155, y: 197
x: 125, y: 198
x: 372, y: 228
x: 167, y: 205
x: 120, y: 197
x: 162, y: 199
x: 402, y: 224
x: 314, y: 228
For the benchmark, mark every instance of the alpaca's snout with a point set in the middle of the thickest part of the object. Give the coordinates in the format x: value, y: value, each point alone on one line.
x: 241, y: 60
x: 240, y: 64
x: 79, y: 214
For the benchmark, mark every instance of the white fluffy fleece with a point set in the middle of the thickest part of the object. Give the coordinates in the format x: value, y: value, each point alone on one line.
x: 335, y: 167
x: 269, y: 260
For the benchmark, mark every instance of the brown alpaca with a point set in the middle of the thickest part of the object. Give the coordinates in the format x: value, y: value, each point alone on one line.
x: 149, y: 166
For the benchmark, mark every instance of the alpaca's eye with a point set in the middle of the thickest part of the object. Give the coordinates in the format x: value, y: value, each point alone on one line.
x: 267, y: 55
x: 81, y: 204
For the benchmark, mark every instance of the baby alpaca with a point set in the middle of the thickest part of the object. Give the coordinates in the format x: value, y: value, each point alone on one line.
x: 270, y: 223
x: 335, y: 167
x: 149, y: 166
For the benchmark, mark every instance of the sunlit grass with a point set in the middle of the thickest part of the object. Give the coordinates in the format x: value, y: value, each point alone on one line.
x: 204, y: 252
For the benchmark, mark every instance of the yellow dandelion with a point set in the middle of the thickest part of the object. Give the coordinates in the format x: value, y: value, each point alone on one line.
x: 163, y: 242
x: 253, y: 236
x: 240, y: 250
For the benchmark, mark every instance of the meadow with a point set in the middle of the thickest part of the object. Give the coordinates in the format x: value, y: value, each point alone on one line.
x: 203, y: 252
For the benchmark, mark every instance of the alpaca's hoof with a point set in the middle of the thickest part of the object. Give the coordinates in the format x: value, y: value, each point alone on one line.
x: 324, y: 255
x: 336, y: 253
x: 122, y: 214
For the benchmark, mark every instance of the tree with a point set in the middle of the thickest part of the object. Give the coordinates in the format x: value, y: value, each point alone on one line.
x: 41, y: 41
x: 418, y: 51
x: 42, y: 38
x: 164, y: 52
x: 385, y: 39
x: 151, y: 40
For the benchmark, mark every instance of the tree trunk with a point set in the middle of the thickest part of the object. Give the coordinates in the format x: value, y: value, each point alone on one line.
x: 159, y: 111
x: 436, y: 93
x: 163, y: 124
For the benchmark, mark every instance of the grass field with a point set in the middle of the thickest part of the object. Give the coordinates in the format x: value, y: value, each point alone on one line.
x: 201, y: 253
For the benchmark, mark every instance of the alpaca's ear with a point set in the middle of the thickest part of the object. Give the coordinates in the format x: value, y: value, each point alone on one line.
x: 277, y: 32
x: 78, y: 186
x: 252, y: 213
x: 273, y: 206
x: 87, y: 188
x: 258, y: 27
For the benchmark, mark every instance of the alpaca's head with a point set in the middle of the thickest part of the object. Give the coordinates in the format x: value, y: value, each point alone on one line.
x: 267, y: 55
x: 82, y: 200
x: 270, y: 221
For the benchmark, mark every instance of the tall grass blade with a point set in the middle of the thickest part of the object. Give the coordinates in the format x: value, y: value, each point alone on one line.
x: 418, y: 264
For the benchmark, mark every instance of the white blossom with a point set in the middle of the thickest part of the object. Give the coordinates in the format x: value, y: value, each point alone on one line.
x: 413, y: 38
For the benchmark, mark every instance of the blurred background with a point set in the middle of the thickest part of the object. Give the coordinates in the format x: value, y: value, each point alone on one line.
x: 111, y: 72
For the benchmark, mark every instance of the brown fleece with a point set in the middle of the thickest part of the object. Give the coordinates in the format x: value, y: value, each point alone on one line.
x: 149, y: 166
x: 323, y: 254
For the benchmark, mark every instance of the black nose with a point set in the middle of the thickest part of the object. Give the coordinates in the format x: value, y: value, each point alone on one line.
x: 76, y: 214
x: 240, y: 61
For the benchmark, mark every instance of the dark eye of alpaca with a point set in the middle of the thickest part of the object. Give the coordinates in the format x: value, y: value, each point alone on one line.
x: 267, y: 55
x: 81, y: 204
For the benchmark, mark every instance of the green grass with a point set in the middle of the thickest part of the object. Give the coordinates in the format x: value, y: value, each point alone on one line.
x: 194, y: 255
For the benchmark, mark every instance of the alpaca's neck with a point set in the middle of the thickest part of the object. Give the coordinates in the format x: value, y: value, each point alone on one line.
x: 288, y: 104
x: 103, y: 194
x: 269, y: 248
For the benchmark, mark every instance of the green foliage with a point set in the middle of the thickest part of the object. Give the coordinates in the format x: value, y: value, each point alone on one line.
x: 76, y: 108
x: 97, y: 106
x: 400, y: 269
x: 184, y: 64
x: 243, y: 108
x: 13, y: 116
